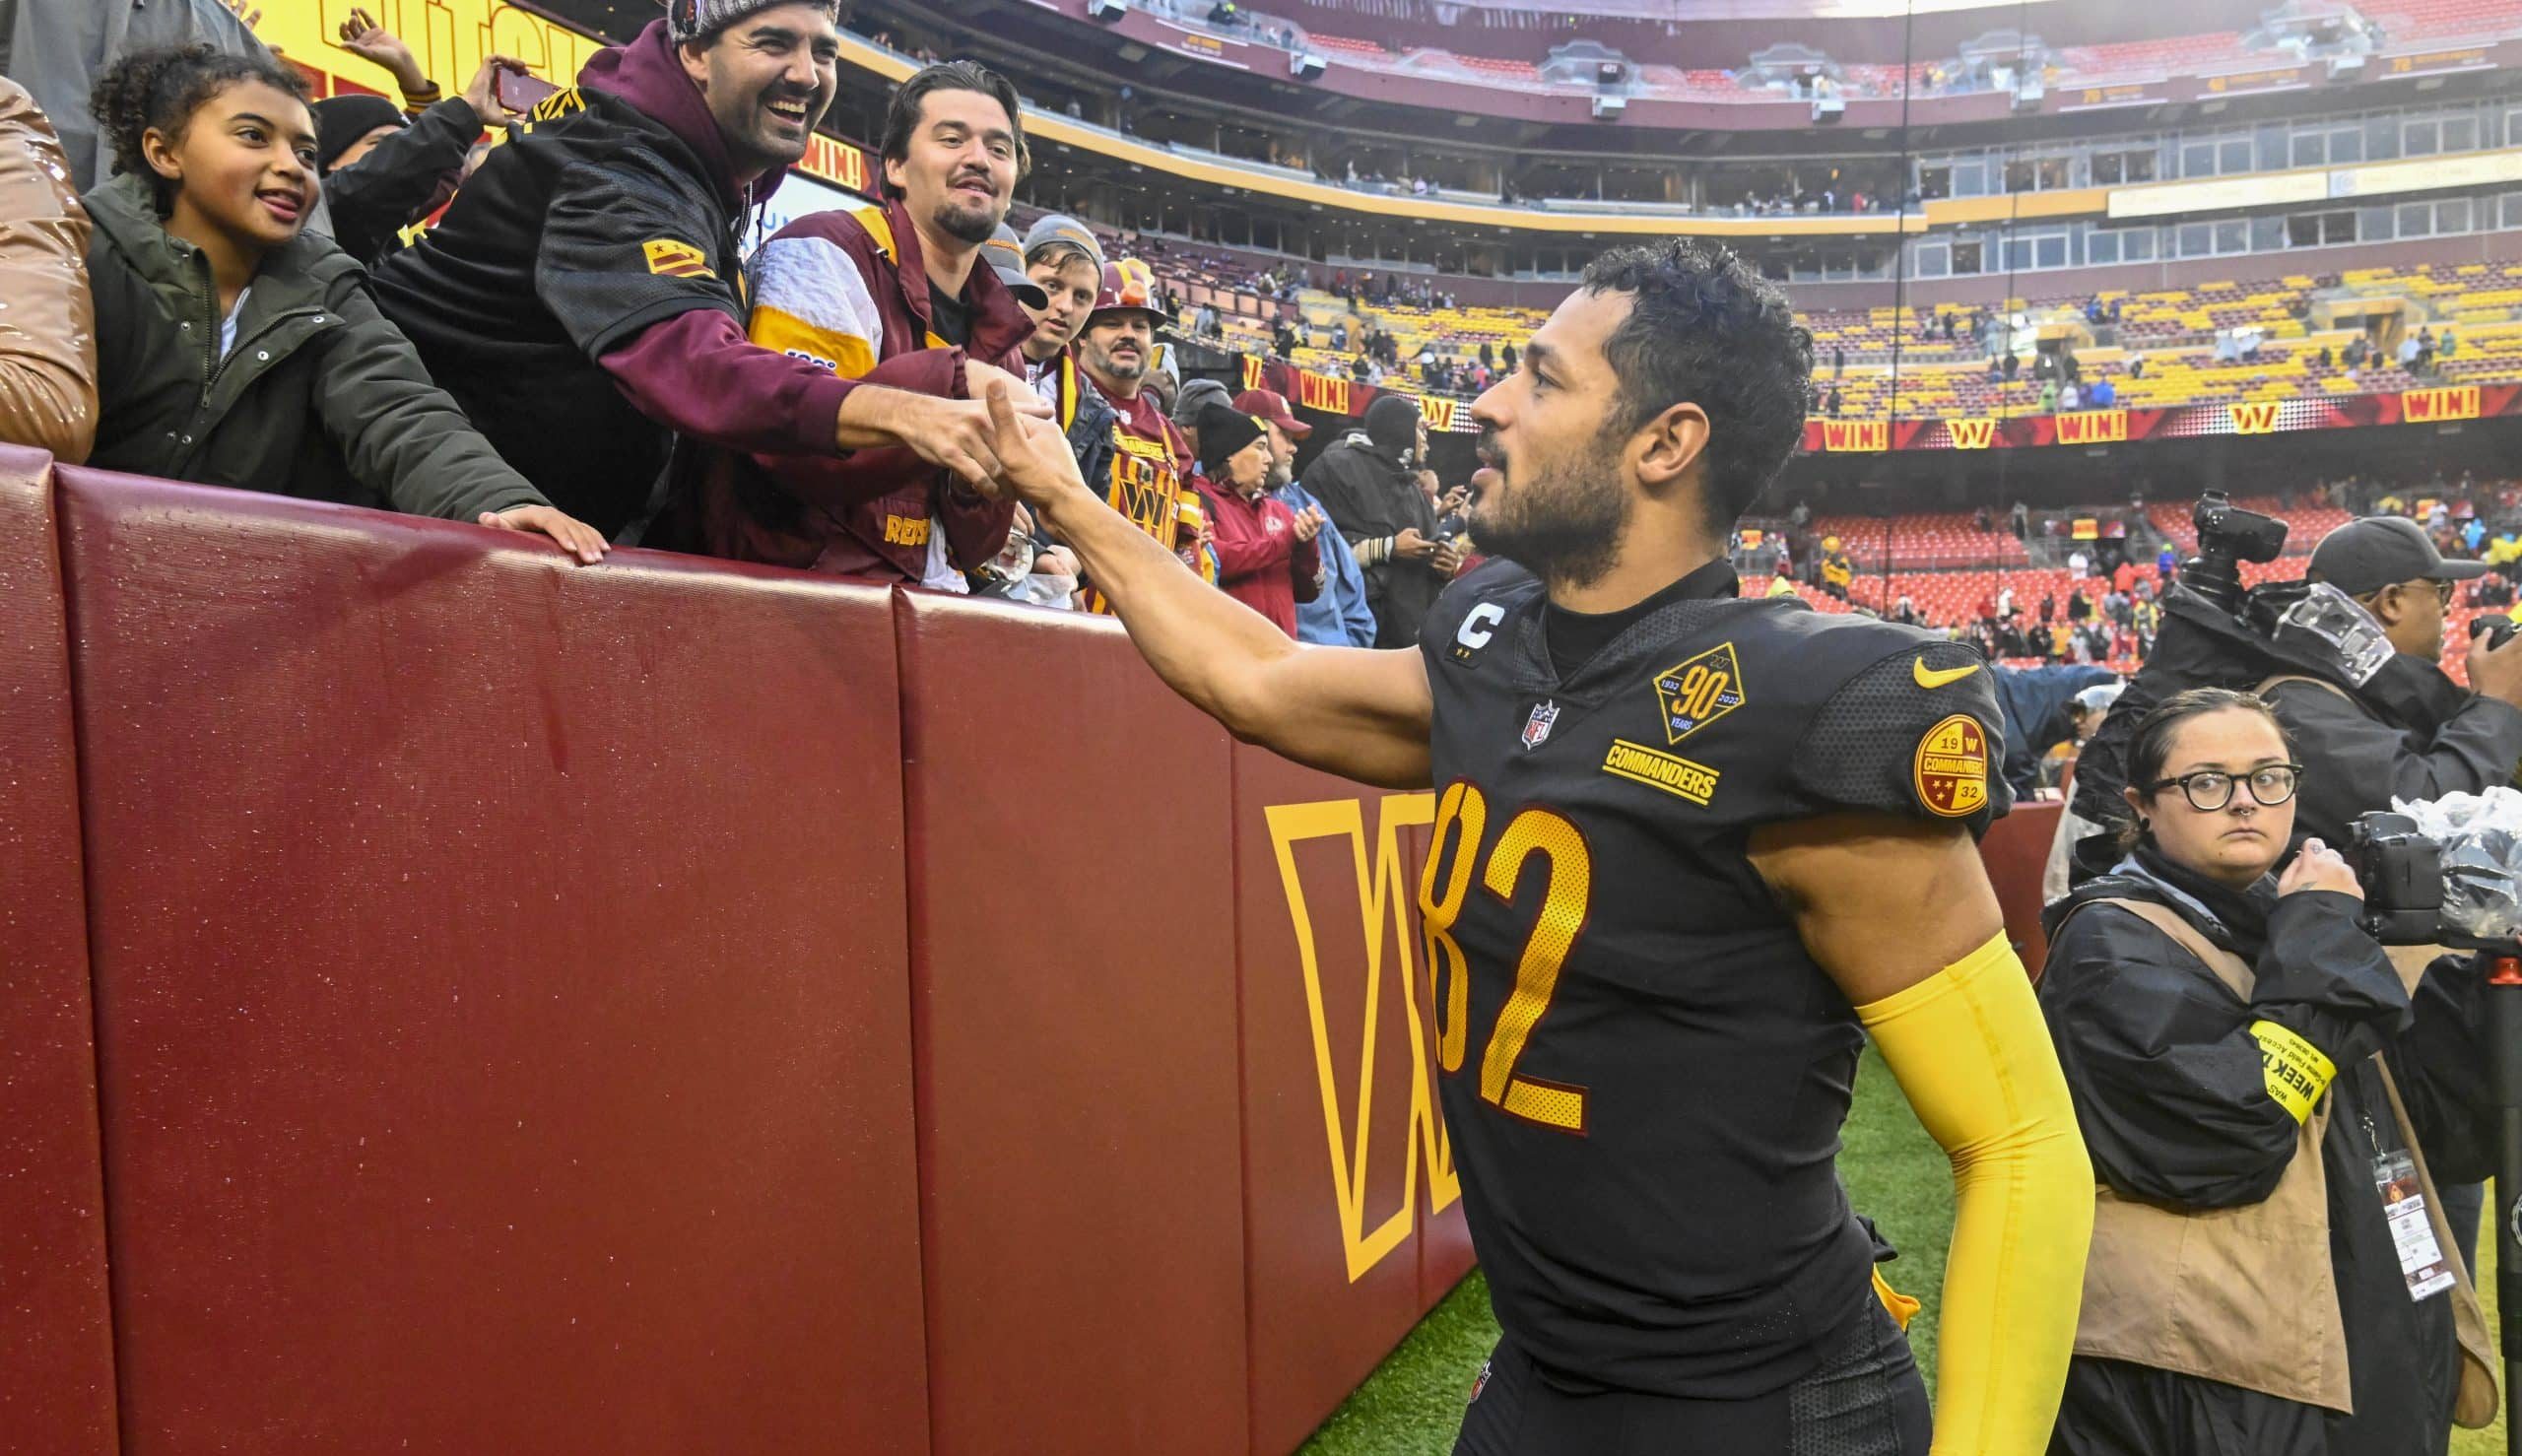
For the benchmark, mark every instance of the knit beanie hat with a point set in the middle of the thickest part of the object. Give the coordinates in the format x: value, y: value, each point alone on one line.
x: 1224, y: 431
x: 1197, y: 398
x: 690, y: 20
x: 1392, y: 423
x: 342, y: 121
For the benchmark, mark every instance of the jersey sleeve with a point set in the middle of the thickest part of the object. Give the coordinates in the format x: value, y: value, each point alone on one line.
x: 1916, y: 734
x: 623, y: 247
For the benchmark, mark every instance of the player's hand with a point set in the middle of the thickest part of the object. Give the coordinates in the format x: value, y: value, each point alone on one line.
x: 482, y: 93
x: 1447, y: 561
x: 1032, y: 460
x: 576, y: 536
x: 1410, y: 546
x: 2497, y: 672
x: 2319, y: 867
x: 364, y: 38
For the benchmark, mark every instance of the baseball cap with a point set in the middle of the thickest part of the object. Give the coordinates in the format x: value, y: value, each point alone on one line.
x: 1120, y: 294
x: 2366, y: 556
x: 1272, y: 407
x: 1006, y: 255
x: 1061, y: 228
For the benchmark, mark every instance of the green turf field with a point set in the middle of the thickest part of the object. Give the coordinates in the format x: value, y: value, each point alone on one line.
x: 1895, y: 1172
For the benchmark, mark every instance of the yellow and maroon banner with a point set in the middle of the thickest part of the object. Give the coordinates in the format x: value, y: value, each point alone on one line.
x: 2439, y: 406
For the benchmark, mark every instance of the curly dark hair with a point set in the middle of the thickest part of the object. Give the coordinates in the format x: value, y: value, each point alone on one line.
x: 1703, y: 327
x: 159, y: 90
x: 901, y: 114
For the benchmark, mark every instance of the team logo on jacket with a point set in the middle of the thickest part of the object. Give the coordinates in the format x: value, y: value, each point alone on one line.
x: 1537, y: 727
x: 1698, y: 691
x: 1952, y: 767
x: 675, y: 259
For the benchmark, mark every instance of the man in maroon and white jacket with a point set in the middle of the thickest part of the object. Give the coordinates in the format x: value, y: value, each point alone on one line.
x: 1267, y: 555
x: 898, y: 294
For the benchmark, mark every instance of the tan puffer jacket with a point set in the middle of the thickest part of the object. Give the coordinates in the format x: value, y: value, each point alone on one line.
x: 47, y: 324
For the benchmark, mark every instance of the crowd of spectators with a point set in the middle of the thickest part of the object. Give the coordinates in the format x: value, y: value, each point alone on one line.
x: 574, y: 343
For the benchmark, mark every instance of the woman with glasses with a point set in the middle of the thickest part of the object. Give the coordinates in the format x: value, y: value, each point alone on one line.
x: 2269, y: 1275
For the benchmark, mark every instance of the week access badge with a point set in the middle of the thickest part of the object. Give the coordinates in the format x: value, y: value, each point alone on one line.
x: 2421, y: 1260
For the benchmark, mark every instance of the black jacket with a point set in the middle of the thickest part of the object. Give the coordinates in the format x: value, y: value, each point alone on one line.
x: 402, y: 180
x: 2169, y: 1093
x: 2410, y: 733
x: 1369, y: 496
x: 604, y: 213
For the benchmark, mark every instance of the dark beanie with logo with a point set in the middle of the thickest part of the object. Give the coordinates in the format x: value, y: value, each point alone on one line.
x: 1224, y: 431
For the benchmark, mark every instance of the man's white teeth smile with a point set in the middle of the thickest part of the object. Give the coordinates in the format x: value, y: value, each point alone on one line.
x: 793, y: 111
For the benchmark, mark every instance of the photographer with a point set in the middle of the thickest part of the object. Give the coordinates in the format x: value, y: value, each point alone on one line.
x: 2270, y: 1269
x: 2411, y: 732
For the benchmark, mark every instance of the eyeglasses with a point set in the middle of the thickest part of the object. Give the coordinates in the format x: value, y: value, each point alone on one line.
x: 2211, y: 789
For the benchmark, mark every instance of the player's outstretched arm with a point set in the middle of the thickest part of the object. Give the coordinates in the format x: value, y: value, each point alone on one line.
x: 1900, y: 914
x: 1345, y: 709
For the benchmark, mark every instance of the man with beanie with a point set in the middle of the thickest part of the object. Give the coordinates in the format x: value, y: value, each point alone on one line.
x: 1336, y: 617
x: 896, y: 291
x: 1150, y: 461
x: 386, y: 167
x: 1267, y: 558
x: 1368, y: 482
x: 581, y: 299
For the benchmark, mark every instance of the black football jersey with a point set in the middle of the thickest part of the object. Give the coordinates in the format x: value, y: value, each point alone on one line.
x: 1643, y: 1072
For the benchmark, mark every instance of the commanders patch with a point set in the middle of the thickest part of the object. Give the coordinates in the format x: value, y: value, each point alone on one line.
x: 673, y: 259
x: 1952, y: 767
x: 1698, y: 691
x: 1670, y: 772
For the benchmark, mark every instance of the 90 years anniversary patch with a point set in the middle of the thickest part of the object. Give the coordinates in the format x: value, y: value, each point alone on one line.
x: 1952, y: 767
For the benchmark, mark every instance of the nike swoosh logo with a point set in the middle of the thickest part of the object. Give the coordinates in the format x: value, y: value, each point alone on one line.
x: 1928, y: 677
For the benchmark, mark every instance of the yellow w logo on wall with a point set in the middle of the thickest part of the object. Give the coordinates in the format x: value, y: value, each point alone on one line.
x: 1970, y: 435
x: 1384, y: 886
x: 2254, y: 417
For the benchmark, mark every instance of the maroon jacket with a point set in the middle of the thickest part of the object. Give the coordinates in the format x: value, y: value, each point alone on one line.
x: 1260, y: 562
x: 848, y: 292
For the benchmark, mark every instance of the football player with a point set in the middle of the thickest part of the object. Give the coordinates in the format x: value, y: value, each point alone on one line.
x: 1689, y: 850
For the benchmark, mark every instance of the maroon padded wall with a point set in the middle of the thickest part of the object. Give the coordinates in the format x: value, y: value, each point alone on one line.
x: 2016, y: 850
x: 1073, y: 955
x: 56, y: 1332
x: 1335, y: 1171
x: 503, y: 996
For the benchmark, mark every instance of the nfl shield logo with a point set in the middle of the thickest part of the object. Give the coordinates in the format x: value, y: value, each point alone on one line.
x: 1537, y: 727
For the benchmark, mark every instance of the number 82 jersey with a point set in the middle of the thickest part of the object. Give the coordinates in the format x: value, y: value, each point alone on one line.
x: 1644, y: 1072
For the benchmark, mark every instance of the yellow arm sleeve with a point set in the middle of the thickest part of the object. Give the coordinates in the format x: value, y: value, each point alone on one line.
x: 1971, y: 1049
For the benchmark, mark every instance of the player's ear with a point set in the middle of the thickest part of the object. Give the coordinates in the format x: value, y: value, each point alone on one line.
x: 1669, y: 444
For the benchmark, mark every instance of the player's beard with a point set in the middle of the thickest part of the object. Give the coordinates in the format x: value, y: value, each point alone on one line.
x: 1562, y: 521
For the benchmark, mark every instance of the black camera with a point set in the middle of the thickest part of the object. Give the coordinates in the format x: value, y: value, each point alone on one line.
x: 2498, y: 628
x: 2401, y: 873
x: 2228, y: 536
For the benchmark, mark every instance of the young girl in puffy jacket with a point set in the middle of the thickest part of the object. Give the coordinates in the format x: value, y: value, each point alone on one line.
x: 235, y: 348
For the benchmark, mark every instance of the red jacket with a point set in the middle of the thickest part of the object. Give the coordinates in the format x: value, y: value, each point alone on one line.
x: 1260, y: 562
x: 848, y: 291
